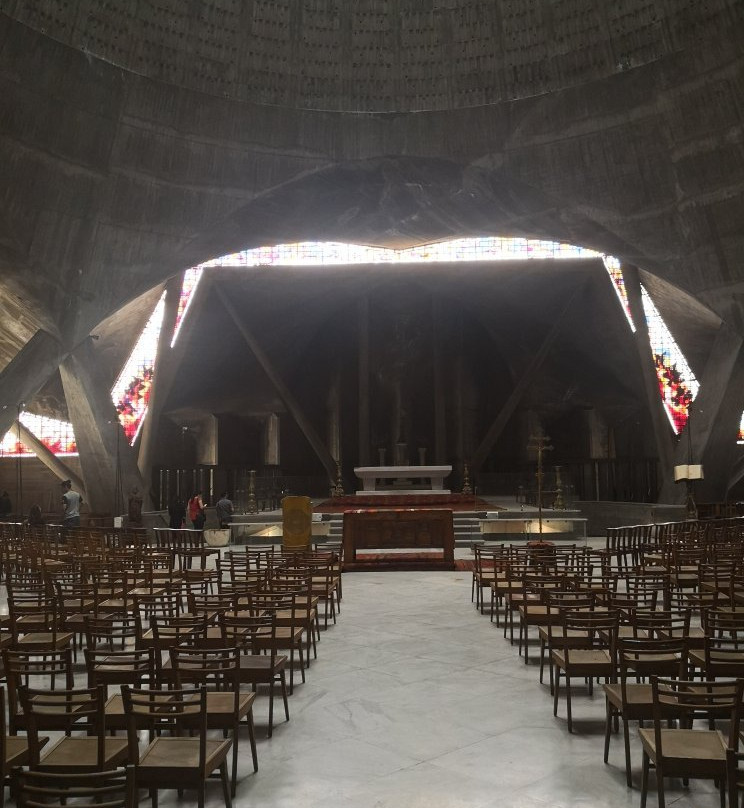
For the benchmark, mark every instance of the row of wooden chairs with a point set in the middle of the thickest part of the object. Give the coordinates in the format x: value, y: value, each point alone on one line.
x: 591, y: 632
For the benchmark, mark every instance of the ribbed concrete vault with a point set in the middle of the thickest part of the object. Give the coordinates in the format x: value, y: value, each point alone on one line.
x: 138, y: 140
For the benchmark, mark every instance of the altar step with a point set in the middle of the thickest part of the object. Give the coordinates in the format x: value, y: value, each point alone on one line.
x: 466, y: 526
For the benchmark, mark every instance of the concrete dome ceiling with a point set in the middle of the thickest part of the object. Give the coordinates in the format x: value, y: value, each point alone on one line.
x: 377, y: 55
x: 138, y: 139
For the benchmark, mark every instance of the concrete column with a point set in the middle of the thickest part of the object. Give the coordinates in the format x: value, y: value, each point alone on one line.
x: 27, y: 373
x: 271, y: 440
x: 164, y: 357
x: 709, y: 436
x: 334, y: 417
x: 363, y: 371
x: 106, y: 458
x: 440, y: 424
x: 662, y: 431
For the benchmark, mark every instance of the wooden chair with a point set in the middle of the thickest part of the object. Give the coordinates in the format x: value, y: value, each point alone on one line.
x: 106, y: 668
x: 35, y: 623
x: 260, y: 662
x: 632, y: 700
x: 227, y: 706
x: 683, y: 751
x: 13, y: 750
x: 590, y: 656
x: 79, y: 710
x: 111, y: 789
x: 22, y: 667
x: 174, y: 761
x: 290, y: 628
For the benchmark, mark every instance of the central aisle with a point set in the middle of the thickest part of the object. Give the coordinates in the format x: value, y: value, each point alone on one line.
x: 417, y: 700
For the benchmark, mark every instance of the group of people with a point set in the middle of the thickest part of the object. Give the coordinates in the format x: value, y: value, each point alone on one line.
x: 178, y: 510
x: 196, y: 511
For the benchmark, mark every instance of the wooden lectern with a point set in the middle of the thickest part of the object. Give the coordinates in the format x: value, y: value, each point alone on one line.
x: 297, y: 519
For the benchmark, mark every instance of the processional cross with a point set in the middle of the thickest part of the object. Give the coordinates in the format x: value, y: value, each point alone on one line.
x: 539, y: 444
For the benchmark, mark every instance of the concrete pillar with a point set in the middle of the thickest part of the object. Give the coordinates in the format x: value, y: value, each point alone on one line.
x: 271, y: 440
x: 363, y: 372
x: 162, y: 375
x: 662, y: 430
x: 440, y: 424
x: 107, y: 461
x: 334, y: 417
x: 207, y: 434
x: 709, y: 436
x: 26, y: 374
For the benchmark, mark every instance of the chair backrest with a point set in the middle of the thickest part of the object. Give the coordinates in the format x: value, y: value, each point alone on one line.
x: 80, y: 709
x: 110, y: 631
x: 249, y: 632
x: 643, y: 657
x: 134, y: 666
x: 169, y: 630
x: 688, y: 700
x: 21, y: 667
x: 165, y: 711
x: 110, y: 789
x: 215, y: 668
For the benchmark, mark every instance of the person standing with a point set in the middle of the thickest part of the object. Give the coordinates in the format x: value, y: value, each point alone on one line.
x: 225, y: 510
x: 71, y: 501
x: 196, y: 511
x: 6, y: 506
x: 176, y: 514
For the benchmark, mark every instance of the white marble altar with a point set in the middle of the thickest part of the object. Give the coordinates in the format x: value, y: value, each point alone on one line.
x: 373, y: 478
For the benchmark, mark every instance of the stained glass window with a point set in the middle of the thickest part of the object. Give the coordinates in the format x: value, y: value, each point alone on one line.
x: 191, y: 280
x: 614, y: 269
x: 56, y: 435
x: 131, y: 391
x: 313, y: 253
x: 677, y: 382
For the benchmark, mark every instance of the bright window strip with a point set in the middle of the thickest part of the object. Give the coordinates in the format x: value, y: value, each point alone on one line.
x: 191, y: 280
x: 56, y: 435
x: 314, y: 253
x: 614, y: 269
x: 740, y: 436
x: 131, y: 391
x: 677, y: 382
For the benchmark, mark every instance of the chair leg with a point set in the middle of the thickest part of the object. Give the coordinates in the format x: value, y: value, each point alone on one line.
x: 284, y: 695
x: 225, y: 785
x: 556, y: 686
x: 644, y: 779
x: 568, y: 702
x: 608, y: 728
x: 252, y: 737
x: 626, y: 739
x: 660, y: 784
x: 200, y: 793
x: 271, y: 707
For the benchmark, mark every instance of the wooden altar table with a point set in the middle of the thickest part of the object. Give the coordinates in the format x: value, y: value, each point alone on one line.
x: 400, y: 528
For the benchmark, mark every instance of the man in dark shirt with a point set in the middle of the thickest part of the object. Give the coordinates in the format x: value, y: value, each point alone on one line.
x: 224, y: 510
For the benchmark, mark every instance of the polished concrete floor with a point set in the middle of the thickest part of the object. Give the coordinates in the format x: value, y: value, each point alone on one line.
x: 418, y: 700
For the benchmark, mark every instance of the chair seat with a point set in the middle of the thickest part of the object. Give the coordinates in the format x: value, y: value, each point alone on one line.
x: 706, y: 749
x: 176, y: 754
x: 636, y: 693
x: 45, y: 640
x: 82, y: 753
x: 16, y: 749
x: 582, y: 657
x: 261, y: 664
x: 221, y: 712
